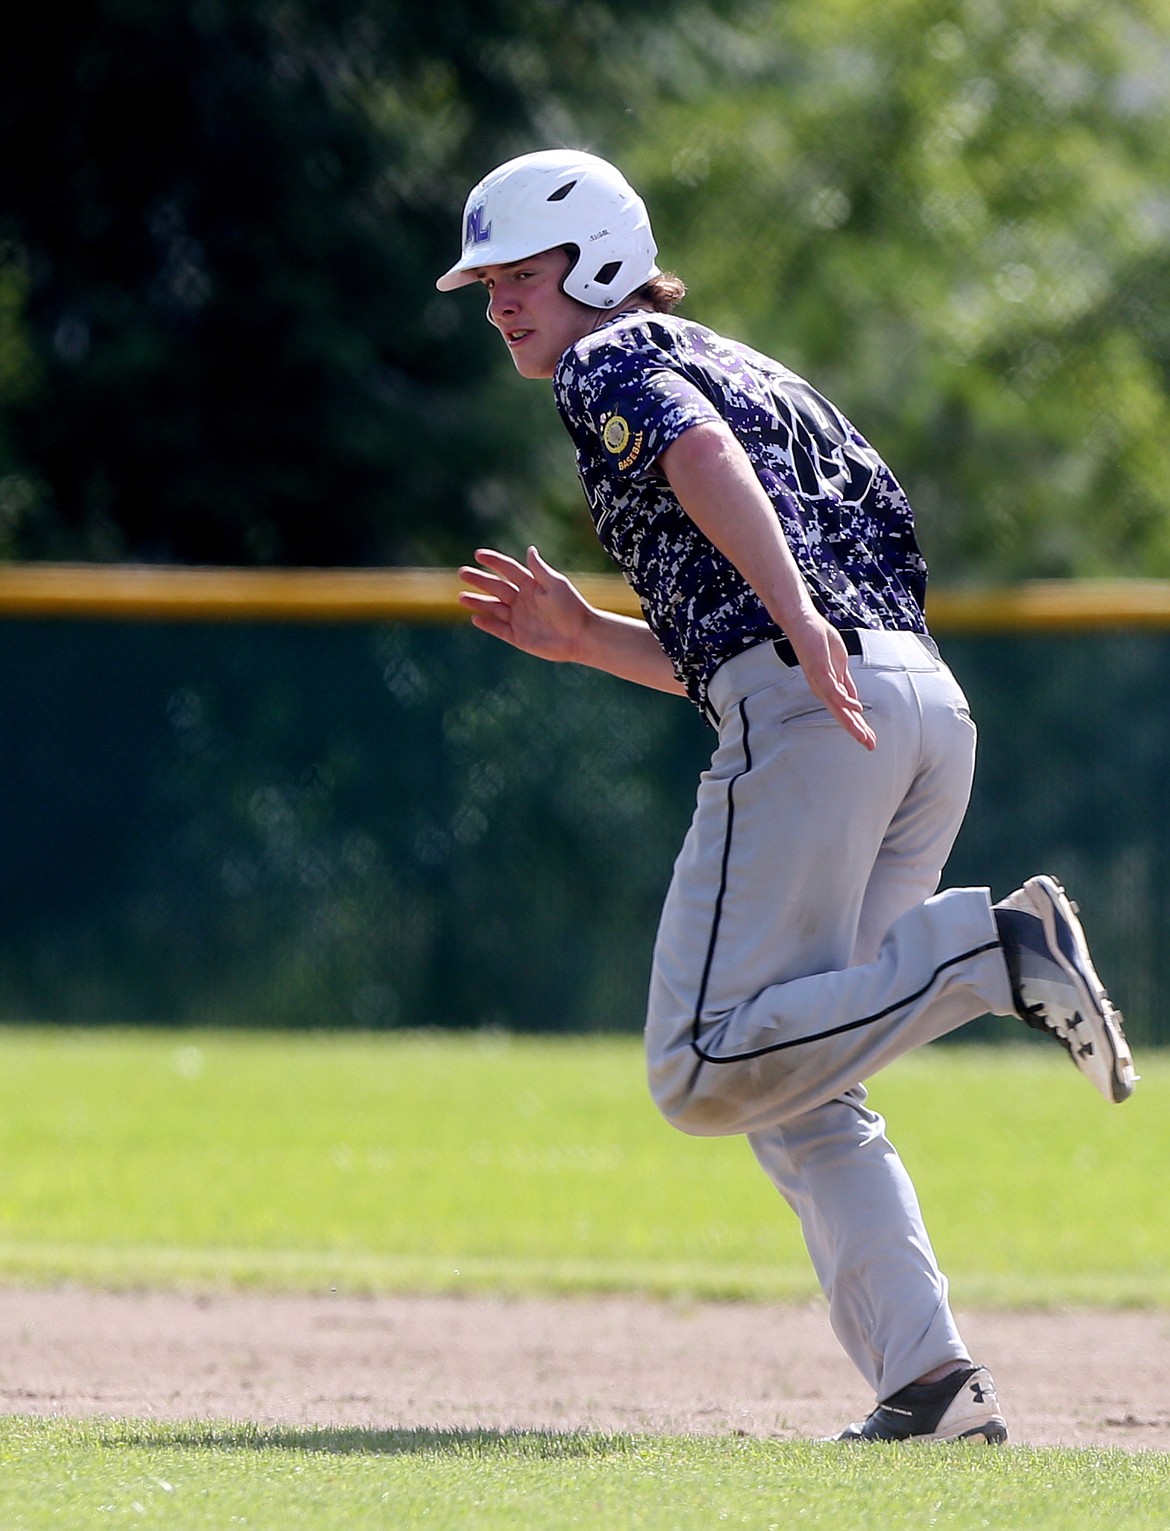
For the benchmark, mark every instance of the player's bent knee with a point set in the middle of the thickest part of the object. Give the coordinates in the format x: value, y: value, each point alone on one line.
x: 691, y: 1109
x: 703, y: 1119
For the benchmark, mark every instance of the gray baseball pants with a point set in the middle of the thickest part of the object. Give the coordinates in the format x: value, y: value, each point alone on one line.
x: 800, y: 950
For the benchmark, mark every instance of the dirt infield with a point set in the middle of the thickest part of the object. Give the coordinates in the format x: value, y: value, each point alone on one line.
x: 1073, y: 1377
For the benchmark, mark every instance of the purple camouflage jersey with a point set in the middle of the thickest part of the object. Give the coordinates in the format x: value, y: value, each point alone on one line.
x: 630, y: 388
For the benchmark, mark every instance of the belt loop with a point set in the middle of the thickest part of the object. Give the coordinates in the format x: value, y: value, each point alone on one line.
x: 785, y: 653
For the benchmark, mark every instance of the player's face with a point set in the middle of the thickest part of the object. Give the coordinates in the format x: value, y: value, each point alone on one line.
x: 536, y: 319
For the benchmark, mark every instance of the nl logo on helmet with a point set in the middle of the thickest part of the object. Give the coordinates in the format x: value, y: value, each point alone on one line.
x: 478, y: 232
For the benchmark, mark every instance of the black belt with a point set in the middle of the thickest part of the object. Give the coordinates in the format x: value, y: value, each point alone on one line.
x: 850, y: 637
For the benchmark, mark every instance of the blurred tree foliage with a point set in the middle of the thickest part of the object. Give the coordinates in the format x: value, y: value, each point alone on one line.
x: 953, y: 215
x: 220, y: 222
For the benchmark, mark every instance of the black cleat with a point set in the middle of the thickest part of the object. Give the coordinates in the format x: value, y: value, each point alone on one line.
x: 963, y: 1406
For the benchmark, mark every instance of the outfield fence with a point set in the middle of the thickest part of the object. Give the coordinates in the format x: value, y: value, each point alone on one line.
x: 318, y: 798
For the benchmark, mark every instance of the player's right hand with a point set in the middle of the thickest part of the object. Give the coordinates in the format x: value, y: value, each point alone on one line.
x: 529, y: 605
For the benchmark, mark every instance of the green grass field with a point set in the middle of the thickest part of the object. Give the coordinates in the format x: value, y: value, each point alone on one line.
x: 431, y: 1163
x: 210, y: 1478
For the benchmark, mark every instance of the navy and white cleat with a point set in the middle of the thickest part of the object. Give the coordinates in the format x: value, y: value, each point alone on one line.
x: 961, y: 1407
x: 1055, y: 986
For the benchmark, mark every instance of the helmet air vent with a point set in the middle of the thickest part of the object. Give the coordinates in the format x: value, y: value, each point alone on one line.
x: 562, y: 192
x: 607, y: 273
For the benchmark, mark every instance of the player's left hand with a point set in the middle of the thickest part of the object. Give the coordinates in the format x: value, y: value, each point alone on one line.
x: 825, y: 663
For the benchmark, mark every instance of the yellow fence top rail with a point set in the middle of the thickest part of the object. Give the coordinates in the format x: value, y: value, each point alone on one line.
x: 149, y: 592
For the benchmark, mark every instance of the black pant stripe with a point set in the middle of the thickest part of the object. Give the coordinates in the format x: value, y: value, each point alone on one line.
x: 866, y: 1020
x: 819, y: 1036
x: 718, y: 915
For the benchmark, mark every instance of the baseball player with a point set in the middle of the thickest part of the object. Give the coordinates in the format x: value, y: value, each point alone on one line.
x: 802, y: 945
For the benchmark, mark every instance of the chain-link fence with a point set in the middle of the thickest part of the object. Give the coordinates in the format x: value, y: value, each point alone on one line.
x: 271, y: 824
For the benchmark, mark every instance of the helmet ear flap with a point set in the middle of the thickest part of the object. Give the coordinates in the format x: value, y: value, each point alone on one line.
x: 601, y: 277
x: 594, y: 285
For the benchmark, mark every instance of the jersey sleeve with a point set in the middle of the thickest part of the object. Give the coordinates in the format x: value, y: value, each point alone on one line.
x: 632, y: 403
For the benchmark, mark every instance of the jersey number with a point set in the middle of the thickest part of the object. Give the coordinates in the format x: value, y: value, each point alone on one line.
x: 826, y: 461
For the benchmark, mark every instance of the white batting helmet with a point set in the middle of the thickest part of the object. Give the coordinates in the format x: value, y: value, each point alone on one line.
x: 559, y: 197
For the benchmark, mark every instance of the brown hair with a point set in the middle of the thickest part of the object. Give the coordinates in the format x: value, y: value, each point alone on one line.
x: 663, y: 292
